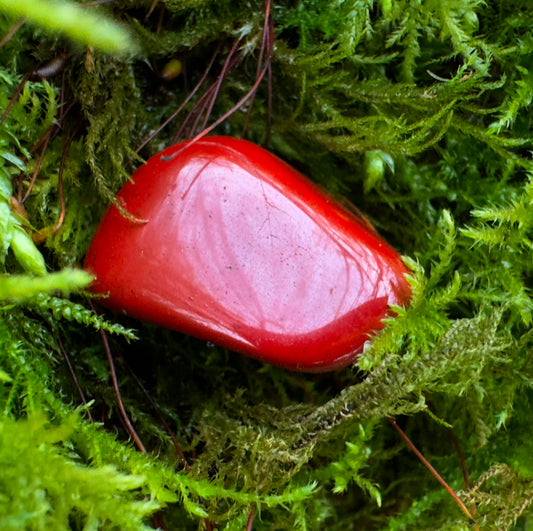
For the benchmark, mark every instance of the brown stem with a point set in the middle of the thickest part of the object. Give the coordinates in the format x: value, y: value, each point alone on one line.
x: 205, y: 132
x: 180, y: 108
x: 13, y: 99
x: 208, y: 97
x: 12, y: 30
x: 225, y: 68
x: 37, y: 167
x: 163, y: 421
x: 459, y: 453
x: 122, y: 409
x: 265, y: 56
x: 120, y: 403
x: 74, y: 376
x: 250, y: 520
x: 434, y: 473
x: 64, y: 154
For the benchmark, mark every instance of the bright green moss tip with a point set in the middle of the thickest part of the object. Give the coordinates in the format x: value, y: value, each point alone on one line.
x: 16, y: 287
x: 83, y: 25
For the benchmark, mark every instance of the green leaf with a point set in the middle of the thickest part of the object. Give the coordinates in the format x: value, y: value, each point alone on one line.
x: 26, y: 253
x: 82, y: 25
x: 19, y: 287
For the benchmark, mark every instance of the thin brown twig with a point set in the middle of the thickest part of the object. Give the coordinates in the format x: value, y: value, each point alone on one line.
x: 20, y: 179
x: 269, y: 91
x: 180, y: 108
x: 266, y: 41
x: 205, y: 104
x: 160, y: 19
x: 12, y: 30
x: 460, y: 455
x: 37, y: 166
x: 163, y: 421
x: 462, y: 463
x: 245, y: 98
x: 267, y: 44
x: 207, y: 98
x: 74, y: 376
x: 196, y: 112
x: 120, y: 403
x: 151, y: 9
x: 250, y: 520
x: 25, y: 79
x: 206, y: 131
x: 45, y: 139
x: 434, y: 473
x: 64, y: 154
x: 13, y: 99
x: 225, y: 68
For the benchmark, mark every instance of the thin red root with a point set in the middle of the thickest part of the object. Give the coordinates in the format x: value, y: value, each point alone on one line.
x: 434, y: 473
x: 250, y: 520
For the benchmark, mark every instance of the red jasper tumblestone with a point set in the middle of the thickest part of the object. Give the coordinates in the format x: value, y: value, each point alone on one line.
x: 240, y: 249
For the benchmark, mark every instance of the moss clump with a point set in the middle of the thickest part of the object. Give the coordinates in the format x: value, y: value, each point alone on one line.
x: 417, y: 112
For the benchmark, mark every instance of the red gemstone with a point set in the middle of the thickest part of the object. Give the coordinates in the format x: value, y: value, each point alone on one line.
x: 240, y: 249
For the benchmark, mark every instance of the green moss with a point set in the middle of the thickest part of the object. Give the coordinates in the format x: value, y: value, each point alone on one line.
x: 417, y: 112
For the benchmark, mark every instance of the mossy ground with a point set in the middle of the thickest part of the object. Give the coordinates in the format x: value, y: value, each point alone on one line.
x: 419, y: 113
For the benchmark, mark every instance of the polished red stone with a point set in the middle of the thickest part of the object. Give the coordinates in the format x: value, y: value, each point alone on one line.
x: 240, y: 249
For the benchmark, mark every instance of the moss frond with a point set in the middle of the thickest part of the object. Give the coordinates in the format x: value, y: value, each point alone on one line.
x: 70, y: 311
x: 16, y: 287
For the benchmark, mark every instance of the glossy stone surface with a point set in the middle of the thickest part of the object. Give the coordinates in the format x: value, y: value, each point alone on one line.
x: 240, y: 249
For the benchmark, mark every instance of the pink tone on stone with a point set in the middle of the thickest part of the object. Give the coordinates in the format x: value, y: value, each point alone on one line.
x: 240, y: 249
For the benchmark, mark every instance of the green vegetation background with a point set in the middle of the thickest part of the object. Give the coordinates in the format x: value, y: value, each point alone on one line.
x: 417, y: 111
